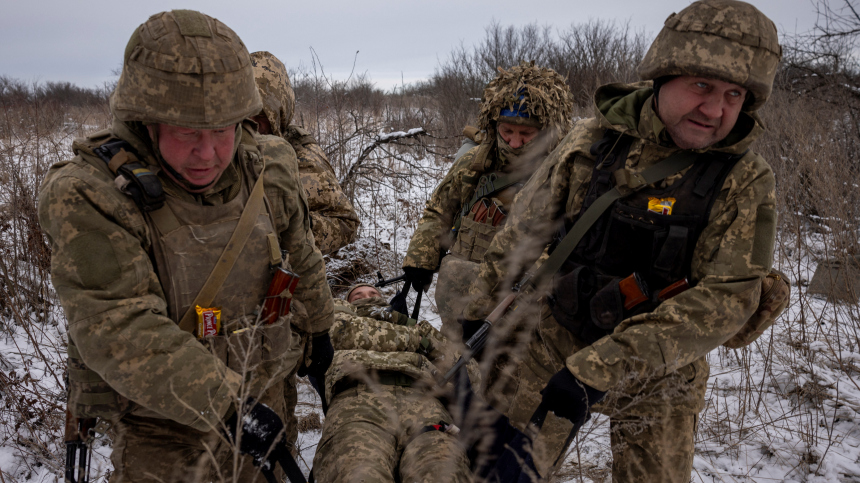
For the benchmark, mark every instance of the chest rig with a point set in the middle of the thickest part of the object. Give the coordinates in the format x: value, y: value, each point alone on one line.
x: 482, y: 215
x: 640, y: 249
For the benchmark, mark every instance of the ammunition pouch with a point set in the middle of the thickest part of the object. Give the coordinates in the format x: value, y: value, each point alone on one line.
x: 591, y: 305
x: 245, y: 349
x: 569, y: 300
x: 477, y: 230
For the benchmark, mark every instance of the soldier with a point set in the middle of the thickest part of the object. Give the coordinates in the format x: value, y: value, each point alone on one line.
x: 333, y: 218
x: 525, y: 112
x: 710, y: 225
x: 384, y: 422
x: 166, y: 230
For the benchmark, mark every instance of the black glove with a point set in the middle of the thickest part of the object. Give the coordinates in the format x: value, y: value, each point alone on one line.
x: 262, y: 429
x: 569, y: 398
x: 420, y: 278
x: 322, y: 353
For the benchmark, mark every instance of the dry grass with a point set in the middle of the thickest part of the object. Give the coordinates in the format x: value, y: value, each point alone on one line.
x: 783, y: 384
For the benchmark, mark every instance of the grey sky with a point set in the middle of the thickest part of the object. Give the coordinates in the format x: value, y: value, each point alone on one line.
x: 82, y: 42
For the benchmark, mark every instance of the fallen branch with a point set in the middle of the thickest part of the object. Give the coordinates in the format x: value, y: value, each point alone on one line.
x: 378, y: 141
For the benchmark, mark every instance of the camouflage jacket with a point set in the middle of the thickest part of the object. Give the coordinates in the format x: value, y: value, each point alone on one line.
x: 732, y: 254
x: 113, y: 299
x: 368, y: 337
x: 334, y: 221
x: 434, y: 236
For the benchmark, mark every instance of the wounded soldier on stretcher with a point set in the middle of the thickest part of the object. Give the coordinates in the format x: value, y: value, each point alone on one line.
x: 385, y: 419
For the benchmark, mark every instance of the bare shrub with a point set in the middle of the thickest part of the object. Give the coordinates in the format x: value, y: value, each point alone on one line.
x: 586, y: 54
x: 35, y: 132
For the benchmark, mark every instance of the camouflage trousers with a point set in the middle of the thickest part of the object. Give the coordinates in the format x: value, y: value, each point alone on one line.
x: 161, y: 450
x: 374, y: 435
x: 652, y: 420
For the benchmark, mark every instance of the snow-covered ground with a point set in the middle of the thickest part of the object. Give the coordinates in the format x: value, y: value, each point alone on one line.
x: 784, y: 409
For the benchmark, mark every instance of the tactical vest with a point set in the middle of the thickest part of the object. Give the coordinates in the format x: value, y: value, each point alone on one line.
x: 187, y: 241
x: 479, y: 220
x: 484, y: 215
x: 650, y: 235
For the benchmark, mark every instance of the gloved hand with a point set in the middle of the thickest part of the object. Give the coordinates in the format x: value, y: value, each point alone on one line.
x: 420, y: 278
x: 322, y: 353
x: 569, y: 398
x: 262, y: 429
x: 435, y: 347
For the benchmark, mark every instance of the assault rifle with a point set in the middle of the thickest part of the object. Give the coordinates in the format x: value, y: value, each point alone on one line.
x: 384, y: 283
x: 479, y: 338
x: 78, y: 456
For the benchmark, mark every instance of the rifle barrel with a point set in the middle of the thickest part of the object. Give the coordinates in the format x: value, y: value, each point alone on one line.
x: 385, y: 283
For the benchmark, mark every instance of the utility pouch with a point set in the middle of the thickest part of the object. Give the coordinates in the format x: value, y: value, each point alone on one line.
x: 132, y: 177
x: 89, y: 395
x: 568, y: 300
x: 775, y: 295
x: 244, y: 349
x: 607, y: 306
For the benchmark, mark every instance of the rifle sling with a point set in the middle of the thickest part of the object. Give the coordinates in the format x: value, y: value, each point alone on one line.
x: 228, y: 257
x: 626, y: 183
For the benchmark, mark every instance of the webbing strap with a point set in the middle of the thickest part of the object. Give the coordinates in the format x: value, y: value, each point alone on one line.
x: 84, y: 375
x: 626, y: 184
x: 487, y: 185
x: 228, y: 257
x: 96, y: 398
x: 73, y: 351
x: 165, y: 219
x: 395, y: 379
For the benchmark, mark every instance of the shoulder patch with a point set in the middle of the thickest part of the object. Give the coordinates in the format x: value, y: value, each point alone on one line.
x: 95, y: 260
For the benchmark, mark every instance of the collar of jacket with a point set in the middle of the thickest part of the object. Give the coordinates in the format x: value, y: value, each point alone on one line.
x: 628, y: 108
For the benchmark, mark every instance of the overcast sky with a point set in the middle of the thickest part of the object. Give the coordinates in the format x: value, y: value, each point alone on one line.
x: 83, y: 41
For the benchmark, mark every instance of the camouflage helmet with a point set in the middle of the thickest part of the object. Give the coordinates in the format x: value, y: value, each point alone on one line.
x: 187, y: 69
x: 279, y: 100
x: 727, y: 40
x: 529, y: 92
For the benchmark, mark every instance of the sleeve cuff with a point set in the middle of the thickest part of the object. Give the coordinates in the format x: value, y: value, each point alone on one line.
x: 598, y: 365
x: 221, y: 403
